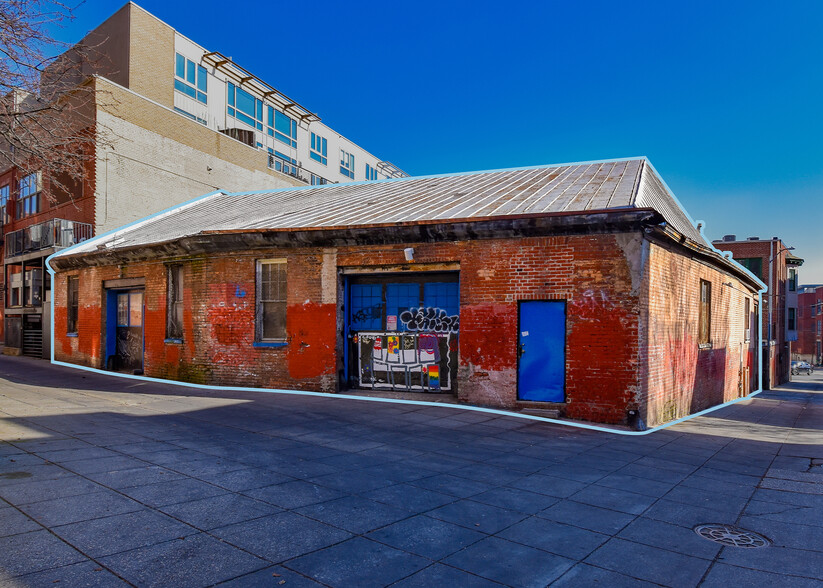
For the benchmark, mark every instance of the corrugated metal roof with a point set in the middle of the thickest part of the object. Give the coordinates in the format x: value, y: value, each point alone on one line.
x: 580, y: 187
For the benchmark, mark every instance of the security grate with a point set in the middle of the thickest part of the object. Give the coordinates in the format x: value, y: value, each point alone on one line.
x: 731, y: 536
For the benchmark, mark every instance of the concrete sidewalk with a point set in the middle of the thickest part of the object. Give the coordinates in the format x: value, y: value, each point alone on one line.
x: 112, y: 482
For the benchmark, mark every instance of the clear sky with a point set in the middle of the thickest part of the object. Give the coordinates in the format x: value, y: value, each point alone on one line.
x: 724, y: 98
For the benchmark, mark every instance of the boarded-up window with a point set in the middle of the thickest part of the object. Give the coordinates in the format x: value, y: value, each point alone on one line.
x: 174, y: 303
x: 73, y: 304
x: 704, y: 333
x: 271, y: 300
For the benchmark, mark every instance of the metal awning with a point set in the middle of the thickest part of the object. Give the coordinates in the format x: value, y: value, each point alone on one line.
x: 258, y: 87
x: 391, y: 170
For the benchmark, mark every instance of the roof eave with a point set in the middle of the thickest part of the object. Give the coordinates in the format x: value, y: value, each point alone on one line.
x: 589, y: 222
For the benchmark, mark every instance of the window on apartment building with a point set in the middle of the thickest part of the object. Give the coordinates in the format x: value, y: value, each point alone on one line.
x: 753, y: 264
x: 190, y: 79
x: 319, y: 149
x: 28, y: 200
x: 747, y: 320
x: 792, y: 280
x: 174, y: 302
x: 72, y: 304
x: 282, y: 127
x: 347, y: 163
x: 271, y: 300
x: 202, y: 121
x: 704, y: 328
x: 245, y: 107
x: 4, y: 202
x: 792, y: 324
x: 318, y: 181
x: 371, y: 173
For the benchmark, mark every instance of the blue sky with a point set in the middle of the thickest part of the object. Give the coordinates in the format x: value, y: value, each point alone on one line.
x: 723, y: 97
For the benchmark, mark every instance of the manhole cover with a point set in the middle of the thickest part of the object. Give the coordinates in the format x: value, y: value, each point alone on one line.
x: 731, y: 536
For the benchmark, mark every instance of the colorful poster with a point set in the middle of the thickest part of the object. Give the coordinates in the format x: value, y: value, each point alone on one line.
x: 394, y: 344
x: 434, y: 377
x: 378, y: 343
x: 391, y: 322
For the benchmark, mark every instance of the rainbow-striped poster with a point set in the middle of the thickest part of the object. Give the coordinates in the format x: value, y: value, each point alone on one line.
x: 434, y: 377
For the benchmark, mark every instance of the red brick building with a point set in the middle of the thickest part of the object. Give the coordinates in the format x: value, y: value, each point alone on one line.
x: 771, y: 260
x: 809, y: 346
x: 582, y: 288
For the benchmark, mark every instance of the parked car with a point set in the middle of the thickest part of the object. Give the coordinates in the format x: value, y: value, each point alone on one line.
x: 800, y: 367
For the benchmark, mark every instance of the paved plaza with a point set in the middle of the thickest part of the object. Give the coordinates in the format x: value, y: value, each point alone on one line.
x: 107, y: 481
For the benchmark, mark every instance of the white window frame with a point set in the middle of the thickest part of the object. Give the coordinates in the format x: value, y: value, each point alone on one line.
x: 319, y: 150
x: 347, y: 163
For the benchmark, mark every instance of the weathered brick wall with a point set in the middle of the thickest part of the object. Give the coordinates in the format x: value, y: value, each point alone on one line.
x: 594, y: 274
x: 680, y: 377
x: 775, y: 250
x: 88, y: 347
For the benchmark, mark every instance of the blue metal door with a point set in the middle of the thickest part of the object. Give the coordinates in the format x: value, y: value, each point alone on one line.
x: 541, y: 366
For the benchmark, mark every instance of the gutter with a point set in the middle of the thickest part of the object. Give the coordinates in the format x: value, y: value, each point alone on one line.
x: 666, y: 232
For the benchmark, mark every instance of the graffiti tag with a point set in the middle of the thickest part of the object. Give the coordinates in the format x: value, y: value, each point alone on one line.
x: 430, y: 319
x: 366, y: 314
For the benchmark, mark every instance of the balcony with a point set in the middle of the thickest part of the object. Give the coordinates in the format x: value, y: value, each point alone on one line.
x: 291, y: 168
x: 55, y: 233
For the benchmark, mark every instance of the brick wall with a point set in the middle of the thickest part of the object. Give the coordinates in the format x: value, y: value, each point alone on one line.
x: 810, y: 313
x: 88, y: 347
x: 778, y: 371
x: 681, y: 377
x: 151, y: 57
x: 592, y: 273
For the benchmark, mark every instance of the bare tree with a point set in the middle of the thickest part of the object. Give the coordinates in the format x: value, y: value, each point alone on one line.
x: 47, y: 99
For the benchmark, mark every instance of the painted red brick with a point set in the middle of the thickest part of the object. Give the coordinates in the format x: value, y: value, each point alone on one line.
x: 631, y: 321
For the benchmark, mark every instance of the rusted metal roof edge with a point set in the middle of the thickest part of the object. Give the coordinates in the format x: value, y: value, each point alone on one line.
x: 528, y: 225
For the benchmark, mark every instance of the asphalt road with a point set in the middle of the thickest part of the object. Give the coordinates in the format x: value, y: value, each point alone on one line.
x: 112, y: 482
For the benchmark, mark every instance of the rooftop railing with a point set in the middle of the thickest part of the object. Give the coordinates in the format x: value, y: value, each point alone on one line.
x: 291, y: 168
x: 57, y: 233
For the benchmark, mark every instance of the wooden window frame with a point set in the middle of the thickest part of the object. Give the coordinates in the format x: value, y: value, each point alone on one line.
x: 72, y: 304
x: 704, y: 325
x: 174, y: 302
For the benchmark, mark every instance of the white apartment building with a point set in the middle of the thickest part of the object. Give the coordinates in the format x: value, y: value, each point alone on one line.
x: 212, y: 90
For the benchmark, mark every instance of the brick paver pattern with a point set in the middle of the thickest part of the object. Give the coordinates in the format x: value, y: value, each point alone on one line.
x: 112, y: 482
